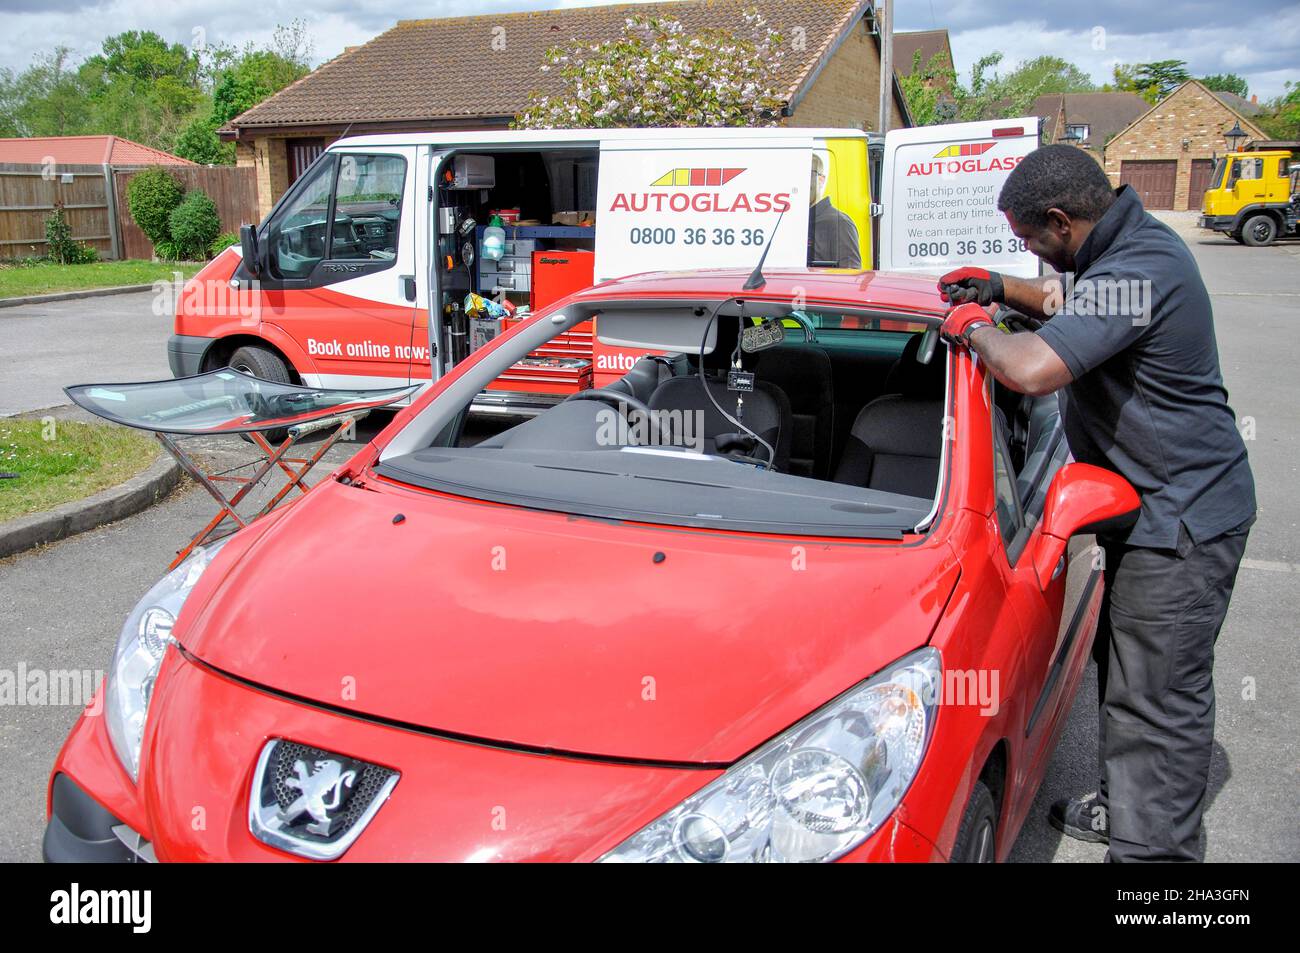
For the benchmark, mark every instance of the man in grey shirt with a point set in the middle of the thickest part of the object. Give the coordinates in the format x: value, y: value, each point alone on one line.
x: 1130, y: 341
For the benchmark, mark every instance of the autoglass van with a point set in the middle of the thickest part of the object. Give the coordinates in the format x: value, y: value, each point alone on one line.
x: 375, y: 266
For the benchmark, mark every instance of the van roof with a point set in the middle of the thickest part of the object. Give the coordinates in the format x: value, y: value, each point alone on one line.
x: 487, y: 137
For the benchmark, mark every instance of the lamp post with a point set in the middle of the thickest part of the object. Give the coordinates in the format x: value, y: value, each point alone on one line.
x: 1234, y: 136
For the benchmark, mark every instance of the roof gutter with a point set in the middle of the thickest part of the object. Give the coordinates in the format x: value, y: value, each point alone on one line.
x: 360, y: 127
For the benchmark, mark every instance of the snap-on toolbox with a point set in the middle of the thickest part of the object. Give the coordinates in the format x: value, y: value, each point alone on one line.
x: 557, y: 273
x: 546, y: 375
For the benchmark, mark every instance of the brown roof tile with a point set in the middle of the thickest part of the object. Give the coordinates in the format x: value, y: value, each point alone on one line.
x: 448, y: 69
x: 929, y: 42
x: 1104, y: 114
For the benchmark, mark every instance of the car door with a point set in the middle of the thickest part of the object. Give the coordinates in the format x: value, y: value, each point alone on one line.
x: 1055, y: 617
x: 339, y: 275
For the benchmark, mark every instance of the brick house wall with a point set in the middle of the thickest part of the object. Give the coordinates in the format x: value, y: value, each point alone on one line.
x: 846, y: 93
x: 269, y: 156
x: 1190, y: 112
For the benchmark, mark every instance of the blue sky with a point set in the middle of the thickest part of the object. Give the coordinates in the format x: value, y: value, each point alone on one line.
x: 1259, y: 39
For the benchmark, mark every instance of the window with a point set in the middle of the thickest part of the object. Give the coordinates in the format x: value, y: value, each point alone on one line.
x: 296, y: 235
x: 361, y: 197
x: 1245, y: 170
x: 1010, y: 519
x: 1077, y: 131
x: 367, y: 207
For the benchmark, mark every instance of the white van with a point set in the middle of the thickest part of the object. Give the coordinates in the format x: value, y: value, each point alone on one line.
x: 379, y: 295
x: 940, y: 191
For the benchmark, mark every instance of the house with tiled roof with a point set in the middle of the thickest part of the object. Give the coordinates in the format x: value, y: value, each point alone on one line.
x: 1167, y: 153
x: 477, y: 72
x: 1087, y: 120
x: 84, y: 150
x: 931, y: 45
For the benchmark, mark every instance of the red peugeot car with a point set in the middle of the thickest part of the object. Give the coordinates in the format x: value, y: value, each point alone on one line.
x: 799, y: 587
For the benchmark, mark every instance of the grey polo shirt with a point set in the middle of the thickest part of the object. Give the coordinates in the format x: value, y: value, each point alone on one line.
x: 1147, y: 400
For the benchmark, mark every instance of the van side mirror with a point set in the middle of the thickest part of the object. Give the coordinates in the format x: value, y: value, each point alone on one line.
x: 252, y: 253
x: 1081, y: 499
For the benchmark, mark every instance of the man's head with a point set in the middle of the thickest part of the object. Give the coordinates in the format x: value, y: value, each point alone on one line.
x: 1052, y: 199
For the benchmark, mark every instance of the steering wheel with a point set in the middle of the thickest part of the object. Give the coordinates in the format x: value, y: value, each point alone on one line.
x: 622, y: 402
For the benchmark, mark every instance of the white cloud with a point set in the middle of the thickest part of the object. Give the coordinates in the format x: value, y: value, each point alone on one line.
x: 1259, y: 39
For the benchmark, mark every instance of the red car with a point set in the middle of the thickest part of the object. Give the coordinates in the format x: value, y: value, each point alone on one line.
x: 801, y: 589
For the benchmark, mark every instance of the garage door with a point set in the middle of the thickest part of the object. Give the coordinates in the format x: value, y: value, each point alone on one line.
x: 1152, y: 180
x: 1202, y: 169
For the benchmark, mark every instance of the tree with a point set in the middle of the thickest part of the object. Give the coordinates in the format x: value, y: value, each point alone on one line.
x: 1046, y: 75
x: 1152, y: 81
x: 141, y: 87
x: 1281, y: 116
x: 925, y: 86
x: 657, y: 75
x: 239, y: 81
x: 46, y: 99
x: 1226, y: 83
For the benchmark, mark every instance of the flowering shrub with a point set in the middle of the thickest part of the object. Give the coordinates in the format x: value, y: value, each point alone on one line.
x: 656, y: 74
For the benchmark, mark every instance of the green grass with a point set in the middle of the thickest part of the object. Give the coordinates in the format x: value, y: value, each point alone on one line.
x: 62, y: 460
x: 43, y: 277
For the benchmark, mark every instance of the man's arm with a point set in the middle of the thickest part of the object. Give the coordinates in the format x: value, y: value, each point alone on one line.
x: 1036, y: 297
x: 1023, y: 362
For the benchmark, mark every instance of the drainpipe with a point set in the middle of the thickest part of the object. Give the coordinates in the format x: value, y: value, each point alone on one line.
x: 110, y: 203
x: 885, y: 19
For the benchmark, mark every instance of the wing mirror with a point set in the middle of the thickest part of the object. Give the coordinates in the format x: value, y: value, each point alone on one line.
x: 1081, y: 499
x: 252, y: 253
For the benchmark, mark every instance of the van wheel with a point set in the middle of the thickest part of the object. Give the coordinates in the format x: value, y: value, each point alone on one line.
x: 267, y: 365
x: 1259, y: 230
x: 261, y: 362
x: 977, y: 835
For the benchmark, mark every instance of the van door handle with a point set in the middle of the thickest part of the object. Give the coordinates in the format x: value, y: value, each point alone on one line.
x: 407, y: 285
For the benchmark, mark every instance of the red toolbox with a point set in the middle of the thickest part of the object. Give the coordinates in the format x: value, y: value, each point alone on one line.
x: 564, y: 364
x: 546, y: 375
x: 557, y: 274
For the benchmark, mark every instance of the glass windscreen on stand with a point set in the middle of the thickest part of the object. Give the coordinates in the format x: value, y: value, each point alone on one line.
x: 223, y: 401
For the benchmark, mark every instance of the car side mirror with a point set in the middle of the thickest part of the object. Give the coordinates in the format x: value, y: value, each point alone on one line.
x: 252, y: 253
x: 1081, y: 499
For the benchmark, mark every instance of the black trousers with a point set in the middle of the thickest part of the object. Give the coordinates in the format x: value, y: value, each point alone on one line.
x: 1160, y: 619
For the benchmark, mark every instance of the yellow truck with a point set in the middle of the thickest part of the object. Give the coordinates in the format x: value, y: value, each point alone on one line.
x: 1253, y: 197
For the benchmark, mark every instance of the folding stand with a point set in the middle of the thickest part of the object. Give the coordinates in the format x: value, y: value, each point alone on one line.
x: 273, y: 457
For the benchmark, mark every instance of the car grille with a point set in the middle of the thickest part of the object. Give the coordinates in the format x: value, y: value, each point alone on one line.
x: 314, y: 802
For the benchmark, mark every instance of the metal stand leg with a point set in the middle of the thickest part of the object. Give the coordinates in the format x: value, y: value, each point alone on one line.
x: 227, y: 504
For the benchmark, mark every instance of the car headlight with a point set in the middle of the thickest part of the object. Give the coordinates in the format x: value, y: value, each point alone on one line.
x: 139, y: 654
x: 815, y: 791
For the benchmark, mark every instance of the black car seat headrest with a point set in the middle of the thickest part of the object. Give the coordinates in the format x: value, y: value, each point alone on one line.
x: 916, y: 380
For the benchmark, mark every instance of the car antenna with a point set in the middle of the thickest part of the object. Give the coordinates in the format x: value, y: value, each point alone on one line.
x: 756, y: 280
